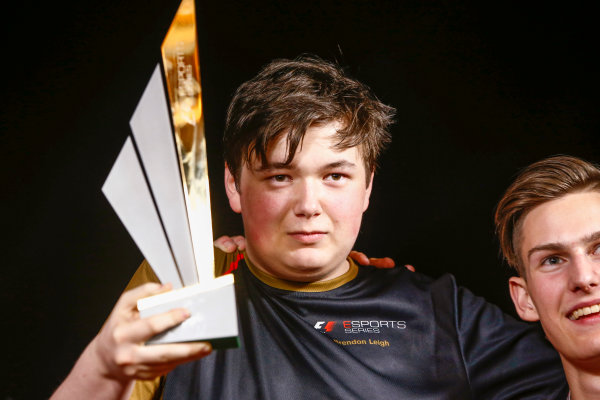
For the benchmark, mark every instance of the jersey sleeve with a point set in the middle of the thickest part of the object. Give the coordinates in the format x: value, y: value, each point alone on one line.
x: 148, y: 390
x: 144, y: 274
x: 226, y: 263
x: 505, y: 358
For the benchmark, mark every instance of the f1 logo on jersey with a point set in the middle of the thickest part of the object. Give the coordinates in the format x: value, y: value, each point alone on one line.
x: 328, y: 327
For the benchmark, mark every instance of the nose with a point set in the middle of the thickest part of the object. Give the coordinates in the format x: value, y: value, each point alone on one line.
x: 307, y: 204
x: 584, y: 274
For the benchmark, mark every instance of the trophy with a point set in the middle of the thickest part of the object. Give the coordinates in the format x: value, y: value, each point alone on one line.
x: 159, y: 188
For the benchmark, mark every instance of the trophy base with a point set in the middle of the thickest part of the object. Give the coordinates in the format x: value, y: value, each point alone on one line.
x: 213, y: 313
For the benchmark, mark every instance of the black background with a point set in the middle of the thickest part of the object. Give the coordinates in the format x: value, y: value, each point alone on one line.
x: 481, y: 91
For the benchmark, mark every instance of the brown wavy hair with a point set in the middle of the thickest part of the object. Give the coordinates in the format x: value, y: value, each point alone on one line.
x: 543, y: 181
x: 287, y: 97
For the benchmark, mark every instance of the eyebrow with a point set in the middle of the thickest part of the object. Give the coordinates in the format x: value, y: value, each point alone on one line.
x: 561, y: 246
x: 340, y: 164
x: 287, y: 166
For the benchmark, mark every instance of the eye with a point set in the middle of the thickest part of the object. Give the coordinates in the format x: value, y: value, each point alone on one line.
x: 552, y: 260
x: 596, y: 250
x: 279, y: 178
x: 336, y: 177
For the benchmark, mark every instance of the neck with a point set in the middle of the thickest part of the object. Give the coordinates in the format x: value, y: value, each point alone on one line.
x: 583, y: 378
x: 299, y: 273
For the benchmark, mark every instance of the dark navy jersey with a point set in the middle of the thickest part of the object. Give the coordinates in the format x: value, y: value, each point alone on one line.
x: 375, y: 334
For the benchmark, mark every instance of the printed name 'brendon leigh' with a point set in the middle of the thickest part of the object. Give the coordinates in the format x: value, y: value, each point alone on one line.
x: 381, y: 343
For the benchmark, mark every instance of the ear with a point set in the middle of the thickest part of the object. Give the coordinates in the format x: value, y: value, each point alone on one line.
x: 522, y: 300
x: 368, y: 192
x: 232, y: 191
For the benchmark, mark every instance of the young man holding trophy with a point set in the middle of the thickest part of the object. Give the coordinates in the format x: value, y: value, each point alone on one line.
x: 302, y: 140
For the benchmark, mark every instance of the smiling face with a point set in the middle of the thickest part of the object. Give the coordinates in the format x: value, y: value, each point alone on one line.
x: 302, y: 219
x: 560, y: 252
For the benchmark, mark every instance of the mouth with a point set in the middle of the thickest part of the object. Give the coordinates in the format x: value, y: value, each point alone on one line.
x: 308, y: 237
x: 584, y: 312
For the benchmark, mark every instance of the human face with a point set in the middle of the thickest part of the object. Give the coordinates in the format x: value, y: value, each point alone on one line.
x: 302, y: 219
x: 560, y: 250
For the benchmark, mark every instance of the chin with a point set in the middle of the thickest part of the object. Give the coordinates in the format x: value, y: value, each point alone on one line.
x: 588, y: 352
x: 316, y: 268
x: 308, y: 259
x: 308, y: 267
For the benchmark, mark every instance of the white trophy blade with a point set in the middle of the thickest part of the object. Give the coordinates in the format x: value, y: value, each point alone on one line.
x: 153, y: 135
x: 128, y: 194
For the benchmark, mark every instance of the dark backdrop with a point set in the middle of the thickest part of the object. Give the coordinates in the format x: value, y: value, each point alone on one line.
x: 481, y: 91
